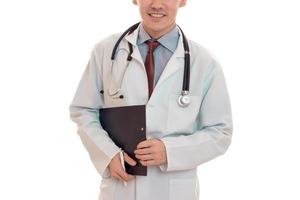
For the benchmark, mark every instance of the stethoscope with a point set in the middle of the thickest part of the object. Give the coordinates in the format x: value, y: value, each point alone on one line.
x: 184, y: 99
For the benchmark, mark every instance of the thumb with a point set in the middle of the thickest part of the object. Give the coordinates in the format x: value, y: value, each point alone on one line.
x: 129, y: 160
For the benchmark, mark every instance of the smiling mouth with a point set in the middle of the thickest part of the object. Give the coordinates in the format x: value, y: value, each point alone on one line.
x: 156, y: 15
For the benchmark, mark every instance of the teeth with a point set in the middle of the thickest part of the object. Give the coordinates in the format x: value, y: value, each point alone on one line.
x: 156, y: 15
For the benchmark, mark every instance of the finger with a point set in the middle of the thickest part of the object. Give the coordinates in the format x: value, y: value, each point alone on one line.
x: 116, y: 176
x: 144, y: 144
x: 143, y: 151
x: 124, y: 176
x: 129, y: 160
x: 148, y: 162
x: 145, y: 157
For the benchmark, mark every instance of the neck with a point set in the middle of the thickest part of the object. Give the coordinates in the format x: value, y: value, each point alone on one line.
x: 157, y: 34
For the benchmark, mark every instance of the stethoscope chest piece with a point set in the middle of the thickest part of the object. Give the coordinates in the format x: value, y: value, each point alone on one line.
x: 184, y: 100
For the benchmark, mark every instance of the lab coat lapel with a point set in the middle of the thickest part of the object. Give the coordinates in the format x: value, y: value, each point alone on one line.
x: 137, y: 81
x: 175, y: 63
x: 132, y: 39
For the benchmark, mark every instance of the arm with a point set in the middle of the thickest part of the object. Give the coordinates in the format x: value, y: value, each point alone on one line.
x: 84, y: 111
x: 214, y: 124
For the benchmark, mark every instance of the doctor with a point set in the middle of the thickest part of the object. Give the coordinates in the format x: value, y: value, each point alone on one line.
x: 149, y: 67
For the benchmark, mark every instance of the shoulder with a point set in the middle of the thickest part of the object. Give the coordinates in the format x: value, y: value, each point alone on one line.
x: 106, y: 43
x: 203, y: 56
x: 199, y: 51
x: 102, y: 49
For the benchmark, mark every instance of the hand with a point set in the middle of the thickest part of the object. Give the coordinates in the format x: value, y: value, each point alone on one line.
x: 116, y: 170
x: 151, y: 152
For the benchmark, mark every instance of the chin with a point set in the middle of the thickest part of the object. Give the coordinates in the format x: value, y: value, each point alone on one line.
x: 156, y: 26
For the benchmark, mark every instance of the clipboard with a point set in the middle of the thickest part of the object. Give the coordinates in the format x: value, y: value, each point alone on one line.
x: 126, y: 126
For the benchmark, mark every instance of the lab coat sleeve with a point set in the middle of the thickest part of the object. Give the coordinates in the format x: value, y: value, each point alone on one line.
x: 213, y: 135
x: 84, y: 111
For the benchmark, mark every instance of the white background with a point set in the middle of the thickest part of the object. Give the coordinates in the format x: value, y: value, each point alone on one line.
x: 45, y: 46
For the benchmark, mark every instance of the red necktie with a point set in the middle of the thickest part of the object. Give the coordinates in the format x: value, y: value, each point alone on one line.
x: 149, y: 64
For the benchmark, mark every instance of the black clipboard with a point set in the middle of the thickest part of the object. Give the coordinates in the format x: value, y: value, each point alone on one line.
x: 126, y: 126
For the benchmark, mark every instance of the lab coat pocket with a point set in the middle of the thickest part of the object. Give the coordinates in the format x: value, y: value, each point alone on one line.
x: 114, y: 101
x: 182, y: 119
x: 107, y: 188
x: 114, y: 96
x: 183, y: 189
x: 115, y: 92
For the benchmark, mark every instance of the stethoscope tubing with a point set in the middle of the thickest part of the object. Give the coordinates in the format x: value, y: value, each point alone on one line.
x: 184, y: 99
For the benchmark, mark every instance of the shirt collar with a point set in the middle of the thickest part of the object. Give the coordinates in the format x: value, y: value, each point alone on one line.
x: 168, y: 40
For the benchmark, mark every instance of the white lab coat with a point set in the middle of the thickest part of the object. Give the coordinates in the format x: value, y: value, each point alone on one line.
x: 192, y: 135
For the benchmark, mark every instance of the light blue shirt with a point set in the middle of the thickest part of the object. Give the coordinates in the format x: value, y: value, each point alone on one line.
x: 162, y: 53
